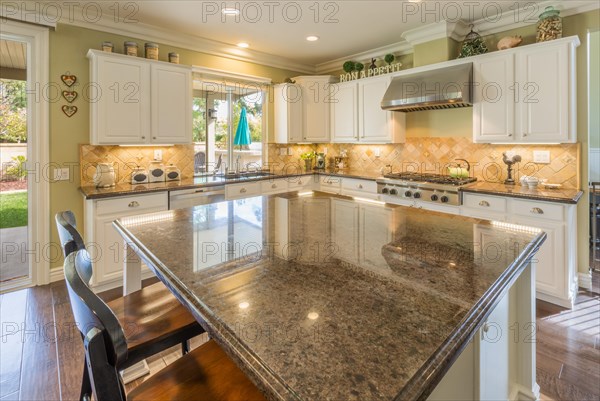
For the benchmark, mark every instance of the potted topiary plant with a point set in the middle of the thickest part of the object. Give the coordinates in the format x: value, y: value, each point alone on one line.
x: 359, y: 67
x: 308, y: 159
x: 389, y: 58
x: 349, y: 66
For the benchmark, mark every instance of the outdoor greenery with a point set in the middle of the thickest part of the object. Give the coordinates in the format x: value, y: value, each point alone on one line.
x: 13, y: 111
x: 17, y: 168
x: 13, y: 209
x: 199, y: 119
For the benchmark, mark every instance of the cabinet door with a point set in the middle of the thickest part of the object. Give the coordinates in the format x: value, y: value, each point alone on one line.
x: 171, y: 104
x: 288, y: 113
x: 316, y: 98
x: 344, y: 118
x: 551, y: 268
x: 544, y: 81
x: 345, y: 230
x: 120, y: 113
x: 376, y: 225
x: 494, y: 103
x: 376, y: 125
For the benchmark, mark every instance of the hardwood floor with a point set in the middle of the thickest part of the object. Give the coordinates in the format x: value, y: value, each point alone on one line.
x: 41, y: 354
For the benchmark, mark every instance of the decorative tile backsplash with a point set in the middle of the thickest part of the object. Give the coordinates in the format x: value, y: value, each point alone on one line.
x: 125, y: 158
x: 434, y: 155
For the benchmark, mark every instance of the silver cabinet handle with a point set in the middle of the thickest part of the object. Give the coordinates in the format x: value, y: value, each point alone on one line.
x: 274, y: 186
x: 243, y: 190
x: 143, y: 137
x: 509, y: 134
x: 484, y: 203
x: 153, y: 137
x: 537, y: 210
x: 360, y: 186
x: 300, y: 182
x: 133, y: 204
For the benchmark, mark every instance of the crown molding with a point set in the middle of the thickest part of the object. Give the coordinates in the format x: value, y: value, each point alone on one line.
x: 200, y: 44
x: 398, y: 48
x: 438, y: 30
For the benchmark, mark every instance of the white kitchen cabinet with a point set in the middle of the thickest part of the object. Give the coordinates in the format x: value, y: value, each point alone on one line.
x: 135, y: 101
x: 105, y: 244
x: 330, y: 184
x: 301, y: 183
x: 556, y: 261
x: 288, y: 113
x: 171, y: 103
x: 526, y: 94
x: 357, y: 117
x: 243, y: 190
x: 344, y: 116
x: 270, y: 187
x: 360, y: 188
x: 317, y: 95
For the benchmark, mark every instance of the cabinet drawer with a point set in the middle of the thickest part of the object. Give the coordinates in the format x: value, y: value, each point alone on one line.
x: 351, y: 184
x: 485, y: 202
x: 541, y: 210
x: 300, y: 183
x: 273, y: 186
x: 238, y: 191
x: 330, y: 184
x: 129, y: 204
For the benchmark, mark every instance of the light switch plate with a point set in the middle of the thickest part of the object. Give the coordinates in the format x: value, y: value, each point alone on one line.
x: 61, y: 174
x: 541, y: 156
x: 158, y: 154
x: 283, y: 151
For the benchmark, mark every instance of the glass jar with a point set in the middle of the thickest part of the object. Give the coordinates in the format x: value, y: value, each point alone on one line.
x: 131, y: 48
x: 107, y: 47
x: 174, y: 58
x: 549, y: 26
x: 151, y: 51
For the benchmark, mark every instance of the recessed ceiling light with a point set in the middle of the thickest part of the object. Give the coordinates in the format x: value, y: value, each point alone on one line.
x: 243, y: 44
x: 312, y: 38
x: 230, y: 11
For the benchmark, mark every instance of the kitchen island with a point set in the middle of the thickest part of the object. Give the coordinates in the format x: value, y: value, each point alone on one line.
x: 323, y: 297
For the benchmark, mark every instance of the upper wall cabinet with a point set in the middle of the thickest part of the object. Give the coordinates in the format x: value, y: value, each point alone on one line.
x: 302, y: 110
x: 527, y: 94
x: 135, y: 101
x: 356, y: 114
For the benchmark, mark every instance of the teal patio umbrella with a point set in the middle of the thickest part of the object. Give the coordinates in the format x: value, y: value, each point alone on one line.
x: 242, y: 134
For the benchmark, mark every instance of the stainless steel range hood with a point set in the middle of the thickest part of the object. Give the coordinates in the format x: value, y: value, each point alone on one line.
x: 444, y: 88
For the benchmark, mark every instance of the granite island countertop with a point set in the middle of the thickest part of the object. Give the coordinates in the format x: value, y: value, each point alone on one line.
x: 305, y: 318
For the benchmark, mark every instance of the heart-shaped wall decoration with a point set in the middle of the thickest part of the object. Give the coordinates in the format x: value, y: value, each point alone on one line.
x: 69, y: 96
x: 69, y: 80
x: 69, y: 110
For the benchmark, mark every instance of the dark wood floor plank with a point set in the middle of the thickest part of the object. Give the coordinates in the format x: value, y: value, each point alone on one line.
x: 12, y: 320
x: 39, y: 373
x: 69, y: 345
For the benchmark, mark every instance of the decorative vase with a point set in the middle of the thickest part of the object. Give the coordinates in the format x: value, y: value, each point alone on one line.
x: 308, y: 164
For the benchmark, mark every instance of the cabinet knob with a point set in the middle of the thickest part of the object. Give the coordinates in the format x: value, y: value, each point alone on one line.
x: 524, y: 134
x: 153, y: 137
x: 300, y: 182
x: 274, y: 186
x: 143, y: 137
x: 133, y: 204
x: 509, y: 134
x: 243, y: 190
x: 360, y: 186
x: 484, y: 203
x: 537, y: 210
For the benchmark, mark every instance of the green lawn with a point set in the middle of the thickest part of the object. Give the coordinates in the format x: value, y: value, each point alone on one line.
x: 13, y: 210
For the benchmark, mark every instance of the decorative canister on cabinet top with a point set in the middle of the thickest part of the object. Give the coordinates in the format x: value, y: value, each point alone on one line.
x: 107, y: 47
x: 151, y: 51
x: 174, y: 58
x: 131, y: 48
x: 549, y: 25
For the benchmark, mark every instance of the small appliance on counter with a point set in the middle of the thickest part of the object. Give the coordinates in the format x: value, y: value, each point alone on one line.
x: 172, y: 173
x: 139, y: 175
x: 156, y: 172
x: 105, y: 175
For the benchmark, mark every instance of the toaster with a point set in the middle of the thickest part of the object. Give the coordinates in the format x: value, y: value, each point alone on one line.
x: 139, y: 175
x: 172, y: 173
x: 156, y: 172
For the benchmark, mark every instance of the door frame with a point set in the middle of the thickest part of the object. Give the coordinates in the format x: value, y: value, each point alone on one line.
x: 39, y: 248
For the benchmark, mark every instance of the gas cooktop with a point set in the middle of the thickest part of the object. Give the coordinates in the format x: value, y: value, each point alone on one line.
x: 432, y: 178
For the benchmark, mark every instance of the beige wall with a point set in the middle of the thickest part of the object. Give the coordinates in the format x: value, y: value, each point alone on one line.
x: 68, y: 48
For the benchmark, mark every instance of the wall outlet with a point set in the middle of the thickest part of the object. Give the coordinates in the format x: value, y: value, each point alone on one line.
x: 61, y: 174
x: 158, y: 154
x: 377, y: 152
x: 283, y: 151
x: 290, y: 152
x: 541, y: 156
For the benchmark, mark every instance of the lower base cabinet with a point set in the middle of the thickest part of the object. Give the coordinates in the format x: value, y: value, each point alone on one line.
x: 105, y: 244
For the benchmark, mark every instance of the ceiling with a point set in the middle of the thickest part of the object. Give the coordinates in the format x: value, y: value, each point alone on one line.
x: 344, y: 26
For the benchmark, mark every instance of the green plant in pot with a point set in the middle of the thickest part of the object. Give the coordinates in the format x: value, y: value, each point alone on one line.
x: 308, y: 158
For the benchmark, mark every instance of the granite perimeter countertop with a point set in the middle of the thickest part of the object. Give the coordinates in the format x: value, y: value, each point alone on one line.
x: 560, y: 195
x: 91, y: 192
x: 327, y: 325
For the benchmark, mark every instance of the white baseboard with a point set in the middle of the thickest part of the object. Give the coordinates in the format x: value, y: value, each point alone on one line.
x: 565, y: 303
x: 522, y: 393
x: 57, y: 274
x: 585, y: 280
x: 118, y: 282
